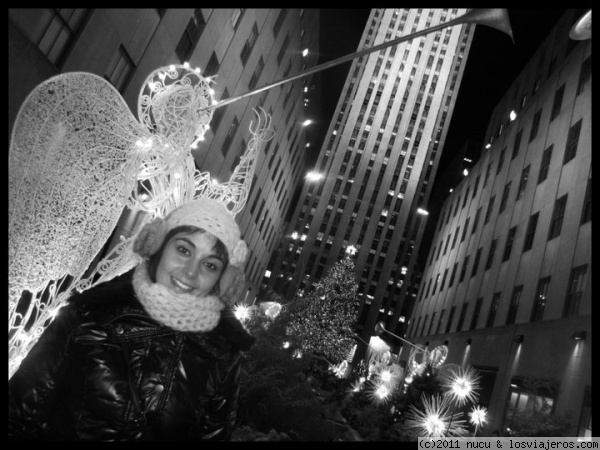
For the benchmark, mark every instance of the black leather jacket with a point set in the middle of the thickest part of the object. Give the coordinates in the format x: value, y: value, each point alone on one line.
x: 78, y: 381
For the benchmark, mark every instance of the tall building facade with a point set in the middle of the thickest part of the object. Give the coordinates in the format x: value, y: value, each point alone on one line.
x: 242, y: 49
x: 378, y: 162
x: 507, y: 284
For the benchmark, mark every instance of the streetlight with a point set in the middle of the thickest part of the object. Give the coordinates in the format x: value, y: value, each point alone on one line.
x: 306, y: 122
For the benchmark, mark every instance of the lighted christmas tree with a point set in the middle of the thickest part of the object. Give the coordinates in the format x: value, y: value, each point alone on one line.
x: 322, y: 323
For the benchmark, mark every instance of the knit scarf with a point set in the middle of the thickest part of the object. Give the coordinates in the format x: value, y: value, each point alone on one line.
x: 181, y: 312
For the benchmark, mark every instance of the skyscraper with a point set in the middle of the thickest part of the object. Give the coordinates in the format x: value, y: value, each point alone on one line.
x: 507, y: 283
x: 378, y: 161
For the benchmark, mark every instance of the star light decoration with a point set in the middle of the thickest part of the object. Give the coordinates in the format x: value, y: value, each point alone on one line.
x: 460, y: 384
x: 478, y: 417
x: 384, y: 380
x: 242, y: 312
x: 437, y: 419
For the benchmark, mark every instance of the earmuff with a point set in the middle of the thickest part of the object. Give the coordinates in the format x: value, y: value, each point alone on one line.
x: 231, y: 285
x: 150, y: 238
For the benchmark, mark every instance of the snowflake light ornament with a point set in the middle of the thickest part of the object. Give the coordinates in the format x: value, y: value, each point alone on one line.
x: 437, y: 418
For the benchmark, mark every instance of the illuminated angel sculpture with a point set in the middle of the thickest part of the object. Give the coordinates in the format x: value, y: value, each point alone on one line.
x: 77, y: 158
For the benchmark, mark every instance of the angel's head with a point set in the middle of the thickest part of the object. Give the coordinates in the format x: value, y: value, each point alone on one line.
x: 197, y: 249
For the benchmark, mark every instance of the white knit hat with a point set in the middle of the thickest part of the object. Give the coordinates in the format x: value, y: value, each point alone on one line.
x: 205, y: 213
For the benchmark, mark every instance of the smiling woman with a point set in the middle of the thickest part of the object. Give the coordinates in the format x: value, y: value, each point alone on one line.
x: 153, y: 354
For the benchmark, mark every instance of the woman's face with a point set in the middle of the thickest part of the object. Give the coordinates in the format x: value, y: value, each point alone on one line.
x: 189, y: 263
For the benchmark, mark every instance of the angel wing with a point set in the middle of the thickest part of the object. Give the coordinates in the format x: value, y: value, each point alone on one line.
x: 72, y: 167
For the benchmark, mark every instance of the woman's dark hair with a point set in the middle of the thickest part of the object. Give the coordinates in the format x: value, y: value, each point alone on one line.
x: 220, y: 248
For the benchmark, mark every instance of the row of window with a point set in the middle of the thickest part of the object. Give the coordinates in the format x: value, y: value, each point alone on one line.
x: 569, y: 154
x: 553, y: 232
x: 572, y: 303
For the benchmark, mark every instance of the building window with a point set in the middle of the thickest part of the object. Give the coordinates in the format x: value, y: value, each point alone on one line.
x: 527, y: 398
x: 523, y: 101
x: 487, y: 174
x: 517, y: 144
x: 557, y: 217
x: 493, y: 310
x: 257, y: 72
x: 572, y: 141
x: 454, y: 269
x: 58, y: 30
x: 490, y: 258
x: 230, y: 135
x: 435, y: 283
x: 466, y: 197
x: 218, y: 114
x: 464, y: 233
x: 236, y: 16
x: 476, y: 187
x: 530, y: 234
x: 190, y: 36
x: 120, y: 70
x: 447, y: 242
x: 464, y: 269
x: 455, y: 237
x: 585, y: 76
x: 501, y: 161
x: 279, y: 21
x: 514, y: 305
x: 539, y: 302
x: 450, y: 318
x: 431, y: 324
x: 212, y: 67
x: 504, y: 197
x: 476, y: 262
x: 558, y: 98
x: 444, y: 279
x: 488, y: 213
x: 476, y: 313
x: 416, y: 326
x: 510, y: 239
x: 586, y: 214
x: 535, y: 125
x: 545, y: 164
x: 477, y: 214
x: 523, y: 183
x: 575, y: 290
x: 249, y: 44
x: 461, y: 318
x: 439, y: 327
x: 283, y: 49
x: 424, y: 325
